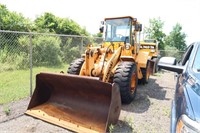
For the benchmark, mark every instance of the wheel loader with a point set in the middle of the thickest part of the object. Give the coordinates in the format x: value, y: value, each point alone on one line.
x: 151, y: 46
x: 88, y: 98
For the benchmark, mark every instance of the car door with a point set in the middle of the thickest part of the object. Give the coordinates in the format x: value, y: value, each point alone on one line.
x: 180, y: 96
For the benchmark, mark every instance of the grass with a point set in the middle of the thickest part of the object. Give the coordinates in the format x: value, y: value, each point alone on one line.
x: 15, y: 85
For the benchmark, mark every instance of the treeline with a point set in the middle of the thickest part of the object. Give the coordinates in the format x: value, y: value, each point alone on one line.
x: 44, y: 23
x: 174, y: 41
x: 47, y: 50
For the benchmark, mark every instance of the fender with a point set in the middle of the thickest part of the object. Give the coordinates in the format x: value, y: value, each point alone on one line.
x: 142, y: 59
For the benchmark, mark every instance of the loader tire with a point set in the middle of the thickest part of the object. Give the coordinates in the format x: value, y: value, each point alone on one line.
x: 146, y: 73
x: 156, y: 64
x: 75, y: 66
x: 126, y: 78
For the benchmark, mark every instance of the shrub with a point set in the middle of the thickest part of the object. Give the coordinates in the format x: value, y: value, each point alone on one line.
x: 45, y: 50
x: 71, y: 50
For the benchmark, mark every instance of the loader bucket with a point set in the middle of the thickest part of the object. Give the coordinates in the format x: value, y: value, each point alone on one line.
x: 78, y: 103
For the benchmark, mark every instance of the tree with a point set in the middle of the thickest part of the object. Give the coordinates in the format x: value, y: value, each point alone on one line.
x: 46, y: 23
x: 176, y: 38
x: 50, y: 23
x: 155, y: 31
x: 13, y: 21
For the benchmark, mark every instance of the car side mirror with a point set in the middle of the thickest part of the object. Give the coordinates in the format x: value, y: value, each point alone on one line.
x: 170, y: 64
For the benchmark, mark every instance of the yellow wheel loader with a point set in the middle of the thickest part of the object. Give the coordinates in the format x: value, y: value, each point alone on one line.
x: 151, y: 46
x: 88, y: 98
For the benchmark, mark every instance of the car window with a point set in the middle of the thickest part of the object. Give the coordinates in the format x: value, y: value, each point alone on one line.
x: 196, y: 64
x: 186, y: 55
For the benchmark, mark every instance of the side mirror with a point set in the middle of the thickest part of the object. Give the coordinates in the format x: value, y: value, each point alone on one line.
x: 101, y: 29
x: 169, y: 63
x: 138, y: 27
x: 168, y: 60
x: 102, y: 22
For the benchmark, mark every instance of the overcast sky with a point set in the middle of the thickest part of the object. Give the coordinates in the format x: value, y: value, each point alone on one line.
x: 89, y: 13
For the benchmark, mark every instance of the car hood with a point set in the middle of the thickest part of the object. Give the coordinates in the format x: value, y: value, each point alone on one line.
x: 195, y: 101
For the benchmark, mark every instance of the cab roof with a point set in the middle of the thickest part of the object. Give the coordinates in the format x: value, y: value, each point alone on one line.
x: 120, y: 17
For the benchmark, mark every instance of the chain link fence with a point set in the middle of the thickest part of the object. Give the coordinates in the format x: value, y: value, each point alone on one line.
x: 24, y: 54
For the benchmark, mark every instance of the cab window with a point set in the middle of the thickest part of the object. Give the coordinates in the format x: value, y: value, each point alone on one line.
x: 196, y: 64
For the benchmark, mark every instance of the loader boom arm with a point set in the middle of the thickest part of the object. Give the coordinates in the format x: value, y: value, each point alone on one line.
x: 111, y: 64
x: 104, y: 69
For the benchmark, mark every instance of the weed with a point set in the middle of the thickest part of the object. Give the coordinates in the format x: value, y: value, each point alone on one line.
x: 130, y: 122
x: 111, y: 128
x: 6, y: 110
x: 167, y: 111
x: 158, y: 74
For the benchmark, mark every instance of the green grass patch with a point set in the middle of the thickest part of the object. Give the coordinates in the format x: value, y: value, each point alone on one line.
x: 6, y: 110
x: 15, y: 85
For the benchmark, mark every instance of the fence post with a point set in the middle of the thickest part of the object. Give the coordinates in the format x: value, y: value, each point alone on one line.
x: 31, y: 65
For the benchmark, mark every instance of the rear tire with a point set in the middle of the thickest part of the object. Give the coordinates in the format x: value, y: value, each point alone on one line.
x: 75, y: 66
x: 146, y: 73
x: 126, y: 78
x: 156, y: 64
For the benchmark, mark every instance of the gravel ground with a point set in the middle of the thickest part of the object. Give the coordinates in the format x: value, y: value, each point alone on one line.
x: 148, y: 113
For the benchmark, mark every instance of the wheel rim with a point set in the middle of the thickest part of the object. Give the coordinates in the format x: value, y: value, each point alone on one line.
x: 133, y: 83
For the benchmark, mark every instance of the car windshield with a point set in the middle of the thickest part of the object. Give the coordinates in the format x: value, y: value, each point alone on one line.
x: 118, y: 30
x: 196, y: 64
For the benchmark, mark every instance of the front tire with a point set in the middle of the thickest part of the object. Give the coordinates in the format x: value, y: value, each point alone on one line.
x: 126, y: 78
x: 75, y: 66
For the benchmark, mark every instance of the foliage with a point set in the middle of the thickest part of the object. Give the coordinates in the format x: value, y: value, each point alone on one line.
x: 71, y: 50
x: 50, y: 23
x: 111, y: 128
x: 46, y: 23
x: 13, y: 60
x: 7, y: 110
x: 155, y: 31
x: 172, y: 51
x: 176, y: 38
x: 13, y: 21
x: 46, y: 50
x: 98, y: 35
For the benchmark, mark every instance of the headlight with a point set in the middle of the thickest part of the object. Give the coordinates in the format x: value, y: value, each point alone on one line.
x: 152, y: 50
x: 186, y: 125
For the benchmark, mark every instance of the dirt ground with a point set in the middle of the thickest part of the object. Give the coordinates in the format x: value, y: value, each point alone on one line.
x: 148, y: 113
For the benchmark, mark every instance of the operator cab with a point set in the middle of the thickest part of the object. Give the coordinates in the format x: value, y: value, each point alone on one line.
x: 120, y: 29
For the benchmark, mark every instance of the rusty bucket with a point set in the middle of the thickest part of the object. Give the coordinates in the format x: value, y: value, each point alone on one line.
x: 78, y: 103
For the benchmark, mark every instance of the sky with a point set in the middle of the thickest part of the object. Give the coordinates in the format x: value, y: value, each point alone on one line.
x: 89, y: 13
